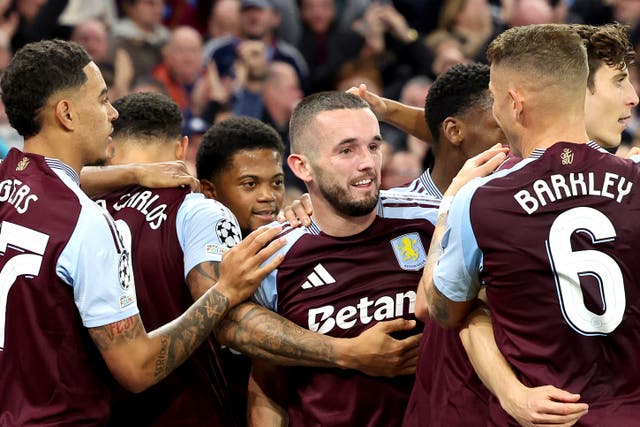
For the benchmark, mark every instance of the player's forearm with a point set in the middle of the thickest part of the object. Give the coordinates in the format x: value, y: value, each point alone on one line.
x: 409, y: 119
x: 96, y: 180
x: 266, y: 394
x: 485, y: 356
x: 139, y: 360
x: 261, y: 333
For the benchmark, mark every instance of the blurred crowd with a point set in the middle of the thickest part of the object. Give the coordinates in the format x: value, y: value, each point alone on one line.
x: 258, y: 58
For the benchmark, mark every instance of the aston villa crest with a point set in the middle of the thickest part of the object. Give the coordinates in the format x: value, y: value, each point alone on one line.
x: 566, y: 156
x: 22, y: 164
x: 409, y: 251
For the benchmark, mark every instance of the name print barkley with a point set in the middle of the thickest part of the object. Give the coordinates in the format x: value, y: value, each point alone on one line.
x: 557, y: 187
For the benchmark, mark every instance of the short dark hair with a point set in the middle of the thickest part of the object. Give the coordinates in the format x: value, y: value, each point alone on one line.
x: 548, y: 54
x: 454, y: 92
x: 607, y: 44
x: 147, y: 115
x: 36, y: 72
x: 223, y: 140
x: 312, y: 105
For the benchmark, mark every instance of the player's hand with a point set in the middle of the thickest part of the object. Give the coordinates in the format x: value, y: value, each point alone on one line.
x: 375, y: 352
x: 165, y: 175
x: 481, y: 165
x: 241, y: 269
x: 377, y: 103
x: 298, y: 212
x: 545, y: 406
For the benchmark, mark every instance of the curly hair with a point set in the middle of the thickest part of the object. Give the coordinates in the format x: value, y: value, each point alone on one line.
x: 147, y: 115
x: 607, y: 44
x: 37, y: 71
x: 223, y: 140
x: 454, y: 92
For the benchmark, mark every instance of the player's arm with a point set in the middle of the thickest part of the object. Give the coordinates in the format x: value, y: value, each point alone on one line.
x: 96, y: 180
x: 430, y: 300
x: 529, y: 406
x: 261, y: 333
x: 409, y: 119
x: 138, y: 359
x: 266, y: 395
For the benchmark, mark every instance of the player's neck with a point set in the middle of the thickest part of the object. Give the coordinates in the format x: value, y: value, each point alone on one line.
x: 142, y: 154
x: 55, y: 148
x: 446, y: 166
x: 569, y: 129
x: 337, y: 224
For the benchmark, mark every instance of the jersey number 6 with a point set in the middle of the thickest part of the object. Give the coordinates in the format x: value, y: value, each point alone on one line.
x: 568, y: 266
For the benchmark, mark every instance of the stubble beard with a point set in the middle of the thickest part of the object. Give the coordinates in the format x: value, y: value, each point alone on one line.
x: 341, y: 200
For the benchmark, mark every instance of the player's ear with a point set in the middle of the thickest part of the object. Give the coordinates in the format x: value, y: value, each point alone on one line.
x: 208, y: 188
x: 453, y: 130
x: 64, y: 114
x: 300, y: 166
x: 180, y: 149
x: 517, y: 104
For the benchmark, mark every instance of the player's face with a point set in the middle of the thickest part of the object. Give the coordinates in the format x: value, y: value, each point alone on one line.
x: 253, y: 187
x: 502, y: 105
x: 94, y: 114
x: 608, y: 108
x: 481, y: 130
x: 347, y: 160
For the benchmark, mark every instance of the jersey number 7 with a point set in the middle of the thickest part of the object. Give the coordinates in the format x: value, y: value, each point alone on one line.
x: 22, y: 239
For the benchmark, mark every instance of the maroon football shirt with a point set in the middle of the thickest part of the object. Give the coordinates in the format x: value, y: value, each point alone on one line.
x: 195, y: 393
x: 560, y: 260
x: 341, y: 287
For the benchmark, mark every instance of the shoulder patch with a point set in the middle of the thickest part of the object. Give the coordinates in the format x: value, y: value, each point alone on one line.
x: 228, y: 233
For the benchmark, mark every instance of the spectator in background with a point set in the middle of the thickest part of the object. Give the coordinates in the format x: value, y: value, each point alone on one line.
x: 401, y: 168
x: 78, y: 11
x: 413, y: 93
x: 224, y: 19
x: 272, y: 100
x: 181, y: 66
x: 142, y: 34
x: 114, y: 63
x: 324, y: 45
x: 38, y: 20
x: 397, y: 49
x: 258, y: 20
x: 471, y: 23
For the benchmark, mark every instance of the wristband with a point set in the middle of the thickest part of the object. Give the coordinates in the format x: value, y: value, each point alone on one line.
x: 445, y: 204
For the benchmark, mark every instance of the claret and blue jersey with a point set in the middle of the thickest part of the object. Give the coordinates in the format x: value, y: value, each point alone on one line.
x: 555, y: 242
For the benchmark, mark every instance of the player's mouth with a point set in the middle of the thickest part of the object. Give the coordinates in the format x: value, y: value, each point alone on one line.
x: 624, y: 121
x: 267, y: 215
x: 364, y: 183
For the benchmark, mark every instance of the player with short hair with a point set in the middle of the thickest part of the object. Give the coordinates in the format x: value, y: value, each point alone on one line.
x: 67, y: 278
x: 351, y: 268
x: 239, y: 163
x: 563, y: 202
x: 177, y: 238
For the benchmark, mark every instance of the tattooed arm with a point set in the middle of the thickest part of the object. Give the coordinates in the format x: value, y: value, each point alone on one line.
x: 430, y: 301
x: 261, y: 333
x: 138, y: 359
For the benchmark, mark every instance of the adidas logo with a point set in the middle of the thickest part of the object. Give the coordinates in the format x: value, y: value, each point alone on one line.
x: 319, y: 277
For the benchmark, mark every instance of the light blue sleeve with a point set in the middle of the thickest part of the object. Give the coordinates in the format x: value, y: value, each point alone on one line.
x: 456, y: 274
x: 267, y: 293
x: 96, y: 264
x: 206, y: 228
